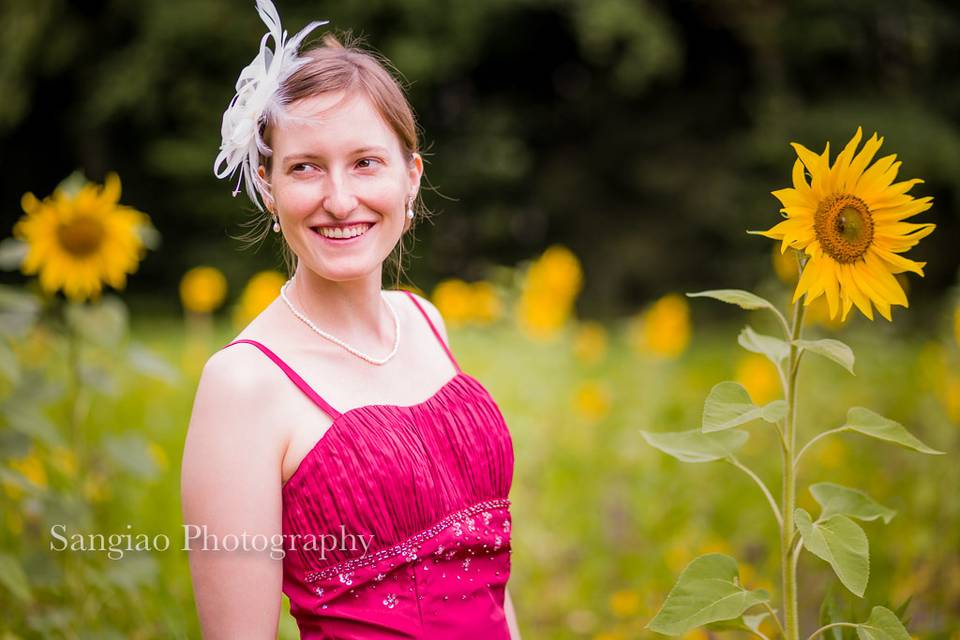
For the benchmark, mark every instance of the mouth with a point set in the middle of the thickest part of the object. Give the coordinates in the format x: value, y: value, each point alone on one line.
x: 343, y: 235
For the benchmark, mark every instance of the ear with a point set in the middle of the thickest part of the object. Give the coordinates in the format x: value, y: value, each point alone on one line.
x: 262, y: 187
x: 415, y: 172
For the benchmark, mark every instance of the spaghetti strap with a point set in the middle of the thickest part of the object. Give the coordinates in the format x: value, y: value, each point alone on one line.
x: 434, y: 329
x: 294, y: 376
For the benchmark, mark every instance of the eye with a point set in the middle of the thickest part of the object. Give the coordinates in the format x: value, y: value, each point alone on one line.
x: 293, y: 169
x: 367, y: 163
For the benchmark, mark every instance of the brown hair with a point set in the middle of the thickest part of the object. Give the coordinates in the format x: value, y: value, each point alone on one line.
x: 334, y: 66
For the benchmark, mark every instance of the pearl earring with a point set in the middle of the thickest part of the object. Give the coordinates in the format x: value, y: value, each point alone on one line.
x: 410, y: 213
x: 276, y: 224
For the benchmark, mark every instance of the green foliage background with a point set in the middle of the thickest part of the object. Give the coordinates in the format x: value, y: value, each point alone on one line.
x: 644, y: 135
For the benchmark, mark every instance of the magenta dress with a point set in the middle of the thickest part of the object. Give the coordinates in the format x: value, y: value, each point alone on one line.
x: 430, y: 483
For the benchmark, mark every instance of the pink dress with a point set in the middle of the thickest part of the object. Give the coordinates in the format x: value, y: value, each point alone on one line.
x: 430, y: 483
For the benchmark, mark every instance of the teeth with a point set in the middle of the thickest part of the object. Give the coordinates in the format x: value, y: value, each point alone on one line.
x: 347, y: 232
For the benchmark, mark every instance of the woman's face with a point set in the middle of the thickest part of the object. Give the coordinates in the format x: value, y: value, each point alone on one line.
x: 344, y: 174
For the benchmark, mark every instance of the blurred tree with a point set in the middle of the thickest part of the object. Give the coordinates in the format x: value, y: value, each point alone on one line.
x: 636, y: 132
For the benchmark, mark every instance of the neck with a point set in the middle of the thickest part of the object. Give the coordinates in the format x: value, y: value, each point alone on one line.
x: 352, y: 310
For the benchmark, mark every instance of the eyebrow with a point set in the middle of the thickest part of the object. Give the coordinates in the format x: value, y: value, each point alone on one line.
x: 355, y: 152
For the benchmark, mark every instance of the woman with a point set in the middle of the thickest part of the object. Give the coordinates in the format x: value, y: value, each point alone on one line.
x: 338, y: 423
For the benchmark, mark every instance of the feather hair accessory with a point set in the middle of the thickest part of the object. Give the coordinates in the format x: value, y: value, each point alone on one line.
x: 256, y: 94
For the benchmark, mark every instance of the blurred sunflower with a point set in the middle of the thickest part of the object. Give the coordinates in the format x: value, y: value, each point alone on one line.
x: 257, y: 295
x: 487, y: 306
x: 548, y: 293
x: 452, y: 298
x: 849, y: 220
x: 203, y: 289
x: 80, y: 240
x: 592, y: 401
x: 759, y: 377
x: 663, y: 329
x: 590, y: 342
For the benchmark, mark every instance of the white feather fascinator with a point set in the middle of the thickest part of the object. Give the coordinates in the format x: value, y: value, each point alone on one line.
x: 256, y: 95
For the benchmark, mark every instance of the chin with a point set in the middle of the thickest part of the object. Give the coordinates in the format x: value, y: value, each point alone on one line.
x: 345, y: 270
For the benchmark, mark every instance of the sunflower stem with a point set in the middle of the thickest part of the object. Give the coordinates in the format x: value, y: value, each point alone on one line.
x: 788, y: 560
x: 77, y: 399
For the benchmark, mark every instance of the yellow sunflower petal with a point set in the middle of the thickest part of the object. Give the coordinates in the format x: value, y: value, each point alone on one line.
x: 111, y: 190
x: 842, y: 164
x: 807, y: 279
x: 898, y: 263
x: 814, y: 164
x: 902, y: 212
x: 894, y: 195
x: 792, y: 198
x: 849, y: 283
x: 886, y: 282
x: 800, y: 183
x: 871, y: 290
x: 831, y: 288
x: 875, y: 175
x: 860, y: 162
x: 847, y: 305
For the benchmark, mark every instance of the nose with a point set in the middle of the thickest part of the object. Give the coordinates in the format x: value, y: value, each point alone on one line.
x: 338, y: 199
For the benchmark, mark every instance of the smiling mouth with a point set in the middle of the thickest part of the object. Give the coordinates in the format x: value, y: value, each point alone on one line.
x: 343, y: 233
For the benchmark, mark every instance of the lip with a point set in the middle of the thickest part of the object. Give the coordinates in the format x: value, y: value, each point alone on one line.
x: 341, y: 241
x: 343, y: 225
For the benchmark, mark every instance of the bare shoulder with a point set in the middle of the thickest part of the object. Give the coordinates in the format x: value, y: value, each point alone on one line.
x: 435, y: 317
x: 229, y: 415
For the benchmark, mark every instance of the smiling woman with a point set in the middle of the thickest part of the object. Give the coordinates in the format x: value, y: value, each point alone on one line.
x: 405, y: 450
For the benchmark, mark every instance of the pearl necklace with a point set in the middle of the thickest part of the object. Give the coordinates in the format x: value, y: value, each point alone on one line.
x: 356, y: 352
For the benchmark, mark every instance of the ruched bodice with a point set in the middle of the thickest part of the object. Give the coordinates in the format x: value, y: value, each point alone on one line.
x: 397, y: 523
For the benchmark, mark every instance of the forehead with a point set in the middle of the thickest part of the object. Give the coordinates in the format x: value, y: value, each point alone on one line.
x: 330, y: 123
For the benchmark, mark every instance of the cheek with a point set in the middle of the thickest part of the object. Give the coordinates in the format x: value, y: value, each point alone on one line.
x: 383, y: 196
x: 298, y: 200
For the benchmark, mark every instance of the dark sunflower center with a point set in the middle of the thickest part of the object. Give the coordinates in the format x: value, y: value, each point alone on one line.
x: 81, y: 236
x: 844, y: 227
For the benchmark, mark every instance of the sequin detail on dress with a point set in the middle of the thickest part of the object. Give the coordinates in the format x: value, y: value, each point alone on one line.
x: 430, y: 483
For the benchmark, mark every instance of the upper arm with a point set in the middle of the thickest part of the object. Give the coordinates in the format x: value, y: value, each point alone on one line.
x: 230, y: 486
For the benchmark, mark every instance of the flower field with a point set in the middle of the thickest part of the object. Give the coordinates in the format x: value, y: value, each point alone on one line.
x: 603, y: 522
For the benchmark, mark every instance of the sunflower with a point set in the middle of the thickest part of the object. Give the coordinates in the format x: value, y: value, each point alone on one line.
x: 849, y: 221
x: 80, y: 241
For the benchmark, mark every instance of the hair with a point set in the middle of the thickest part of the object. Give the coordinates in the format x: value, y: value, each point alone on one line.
x: 335, y: 66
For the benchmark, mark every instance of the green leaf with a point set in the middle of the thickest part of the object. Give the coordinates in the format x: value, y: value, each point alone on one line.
x: 739, y: 297
x: 130, y: 452
x: 708, y: 590
x: 31, y: 421
x: 12, y: 253
x: 882, y: 624
x: 773, y: 348
x: 876, y: 426
x: 103, y: 323
x: 746, y: 622
x: 832, y: 349
x: 18, y: 312
x: 9, y: 366
x: 842, y: 543
x: 146, y: 362
x: 729, y: 405
x: 901, y: 611
x: 694, y: 445
x: 14, y: 578
x: 830, y: 613
x: 774, y: 411
x: 836, y: 498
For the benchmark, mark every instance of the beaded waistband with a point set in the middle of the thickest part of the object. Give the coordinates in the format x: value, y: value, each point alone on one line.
x: 407, y: 546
